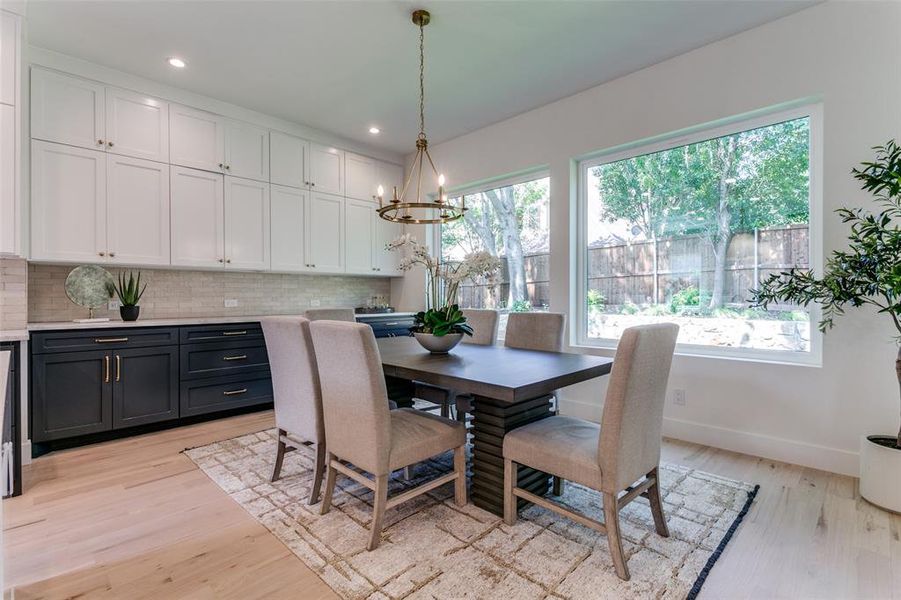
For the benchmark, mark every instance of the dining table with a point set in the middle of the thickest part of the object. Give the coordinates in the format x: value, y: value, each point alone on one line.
x: 509, y: 387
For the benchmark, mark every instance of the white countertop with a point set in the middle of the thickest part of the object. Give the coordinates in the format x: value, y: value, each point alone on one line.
x: 13, y: 335
x: 57, y: 325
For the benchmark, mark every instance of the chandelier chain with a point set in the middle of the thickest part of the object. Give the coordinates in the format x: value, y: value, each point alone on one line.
x: 421, y: 81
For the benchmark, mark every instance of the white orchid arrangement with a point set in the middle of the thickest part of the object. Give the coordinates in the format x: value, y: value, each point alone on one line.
x: 450, y: 274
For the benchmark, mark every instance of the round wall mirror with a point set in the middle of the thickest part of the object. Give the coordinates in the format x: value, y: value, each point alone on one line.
x: 89, y: 286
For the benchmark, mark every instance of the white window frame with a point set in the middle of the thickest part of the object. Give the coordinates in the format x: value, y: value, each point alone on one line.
x: 579, y: 288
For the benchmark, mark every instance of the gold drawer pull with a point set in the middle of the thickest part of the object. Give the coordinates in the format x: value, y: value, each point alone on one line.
x: 234, y: 333
x: 239, y: 357
x: 109, y: 340
x: 235, y: 392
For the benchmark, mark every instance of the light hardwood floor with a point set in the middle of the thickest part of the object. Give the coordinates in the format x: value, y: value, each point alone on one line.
x: 135, y: 519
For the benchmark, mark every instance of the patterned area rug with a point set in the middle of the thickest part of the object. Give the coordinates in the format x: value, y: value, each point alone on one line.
x: 433, y: 549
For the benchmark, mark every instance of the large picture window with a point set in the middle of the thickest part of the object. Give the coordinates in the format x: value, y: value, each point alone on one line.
x: 682, y: 231
x: 509, y: 220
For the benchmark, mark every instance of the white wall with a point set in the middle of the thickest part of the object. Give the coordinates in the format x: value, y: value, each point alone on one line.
x: 841, y: 53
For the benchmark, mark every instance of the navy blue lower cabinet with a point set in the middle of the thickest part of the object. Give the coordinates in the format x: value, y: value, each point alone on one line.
x: 145, y: 386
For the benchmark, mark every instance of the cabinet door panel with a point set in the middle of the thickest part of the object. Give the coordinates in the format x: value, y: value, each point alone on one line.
x: 358, y: 235
x: 387, y: 262
x: 9, y: 173
x: 138, y: 211
x: 288, y: 158
x: 326, y: 169
x: 197, y: 236
x: 145, y: 385
x: 288, y: 229
x: 246, y: 151
x: 196, y: 139
x: 68, y: 203
x: 67, y: 110
x: 325, y: 233
x: 71, y: 394
x: 246, y: 224
x: 360, y: 177
x: 137, y: 125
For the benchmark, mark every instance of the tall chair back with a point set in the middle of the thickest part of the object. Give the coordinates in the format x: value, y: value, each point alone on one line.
x: 484, y: 326
x: 295, y: 378
x: 535, y: 331
x: 354, y: 398
x: 632, y: 422
x: 331, y: 314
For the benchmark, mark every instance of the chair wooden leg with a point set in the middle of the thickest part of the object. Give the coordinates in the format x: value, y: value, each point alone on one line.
x: 378, y: 511
x: 657, y: 505
x: 329, y: 485
x: 509, y: 498
x: 614, y: 538
x: 460, y: 481
x: 445, y: 409
x: 318, y: 472
x: 558, y: 486
x: 279, y: 456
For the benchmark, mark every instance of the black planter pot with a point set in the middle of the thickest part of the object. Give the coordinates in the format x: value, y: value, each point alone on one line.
x: 129, y: 313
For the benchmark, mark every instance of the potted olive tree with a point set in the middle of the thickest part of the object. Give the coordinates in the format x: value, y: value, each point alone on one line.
x: 868, y: 272
x: 442, y: 325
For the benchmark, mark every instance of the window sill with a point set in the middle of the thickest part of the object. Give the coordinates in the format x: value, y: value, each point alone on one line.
x: 791, y: 359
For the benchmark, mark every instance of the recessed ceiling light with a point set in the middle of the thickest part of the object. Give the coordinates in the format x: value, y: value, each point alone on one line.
x: 374, y: 130
x: 177, y: 63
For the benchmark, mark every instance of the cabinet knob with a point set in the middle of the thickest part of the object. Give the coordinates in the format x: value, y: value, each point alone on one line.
x: 101, y: 253
x: 112, y: 254
x: 313, y: 184
x: 221, y: 165
x: 228, y: 167
x: 228, y: 260
x: 219, y: 259
x: 110, y: 144
x: 100, y: 142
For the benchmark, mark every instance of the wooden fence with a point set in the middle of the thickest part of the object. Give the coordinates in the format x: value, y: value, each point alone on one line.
x: 644, y: 271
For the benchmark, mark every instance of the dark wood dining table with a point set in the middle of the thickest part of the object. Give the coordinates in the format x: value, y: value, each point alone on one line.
x: 510, y: 388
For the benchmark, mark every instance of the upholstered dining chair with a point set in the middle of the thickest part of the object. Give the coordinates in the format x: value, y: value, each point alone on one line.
x: 620, y: 454
x: 362, y: 432
x: 538, y: 331
x: 296, y: 393
x: 331, y: 314
x: 484, y: 333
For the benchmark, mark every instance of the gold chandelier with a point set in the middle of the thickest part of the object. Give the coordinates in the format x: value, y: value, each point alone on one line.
x: 399, y: 209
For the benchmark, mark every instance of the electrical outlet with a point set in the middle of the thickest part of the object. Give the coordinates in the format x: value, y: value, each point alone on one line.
x: 679, y: 397
x: 231, y: 303
x: 113, y: 305
x: 315, y: 302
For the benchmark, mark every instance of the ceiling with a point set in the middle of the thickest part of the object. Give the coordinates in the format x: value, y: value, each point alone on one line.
x: 343, y: 66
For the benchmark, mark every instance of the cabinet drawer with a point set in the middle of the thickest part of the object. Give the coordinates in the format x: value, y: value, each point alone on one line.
x: 219, y: 333
x: 223, y: 358
x: 203, y: 396
x: 102, y: 339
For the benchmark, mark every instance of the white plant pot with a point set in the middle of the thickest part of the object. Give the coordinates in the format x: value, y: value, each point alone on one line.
x: 880, y: 474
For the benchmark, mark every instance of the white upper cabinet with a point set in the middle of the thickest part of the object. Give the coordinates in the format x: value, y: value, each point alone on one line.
x: 246, y: 150
x: 325, y: 233
x: 198, y: 237
x: 196, y: 139
x: 68, y: 203
x: 68, y: 110
x: 359, y: 232
x: 9, y: 207
x: 288, y: 160
x: 288, y: 210
x: 246, y: 224
x: 360, y: 177
x: 137, y: 125
x: 326, y: 169
x: 138, y: 211
x: 385, y: 261
x: 9, y: 58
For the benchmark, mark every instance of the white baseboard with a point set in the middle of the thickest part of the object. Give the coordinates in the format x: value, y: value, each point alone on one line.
x: 824, y: 458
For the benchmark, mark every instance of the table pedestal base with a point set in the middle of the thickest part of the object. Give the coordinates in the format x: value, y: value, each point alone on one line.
x: 491, y: 421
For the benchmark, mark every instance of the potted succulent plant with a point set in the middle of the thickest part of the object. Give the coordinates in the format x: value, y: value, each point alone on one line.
x: 442, y: 325
x: 868, y: 272
x: 129, y: 292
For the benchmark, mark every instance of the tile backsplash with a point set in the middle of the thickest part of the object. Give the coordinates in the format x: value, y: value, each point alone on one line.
x: 176, y: 293
x: 13, y: 294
